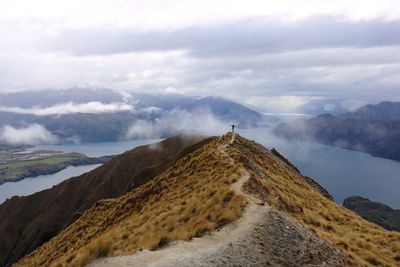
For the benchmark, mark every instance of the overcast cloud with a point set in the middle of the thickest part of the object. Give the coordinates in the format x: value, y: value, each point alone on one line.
x: 70, y: 108
x: 263, y: 53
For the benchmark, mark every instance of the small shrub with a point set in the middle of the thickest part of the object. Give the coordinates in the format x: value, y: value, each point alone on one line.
x: 125, y: 236
x: 103, y: 249
x: 329, y: 228
x: 201, y: 232
x: 223, y: 222
x: 163, y: 242
x: 313, y: 222
x: 228, y: 197
x: 372, y: 260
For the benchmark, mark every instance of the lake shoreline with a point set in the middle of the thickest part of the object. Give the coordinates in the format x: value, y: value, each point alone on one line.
x: 35, y: 171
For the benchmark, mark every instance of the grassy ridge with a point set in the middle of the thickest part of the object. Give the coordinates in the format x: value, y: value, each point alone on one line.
x: 189, y: 198
x: 194, y: 196
x: 287, y: 190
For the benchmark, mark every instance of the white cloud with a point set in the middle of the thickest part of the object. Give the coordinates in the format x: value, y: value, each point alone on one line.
x: 32, y: 134
x: 226, y: 48
x: 150, y: 14
x: 201, y: 120
x: 278, y: 103
x: 70, y: 108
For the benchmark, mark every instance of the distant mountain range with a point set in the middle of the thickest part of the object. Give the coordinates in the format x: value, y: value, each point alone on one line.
x: 382, y: 111
x: 374, y: 129
x: 98, y: 115
x: 321, y: 106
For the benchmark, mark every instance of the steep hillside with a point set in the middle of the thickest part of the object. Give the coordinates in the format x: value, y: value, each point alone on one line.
x: 216, y: 184
x: 27, y: 222
x: 375, y: 212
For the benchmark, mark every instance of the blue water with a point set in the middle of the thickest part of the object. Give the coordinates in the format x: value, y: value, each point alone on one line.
x: 31, y: 185
x: 342, y: 172
x: 98, y: 149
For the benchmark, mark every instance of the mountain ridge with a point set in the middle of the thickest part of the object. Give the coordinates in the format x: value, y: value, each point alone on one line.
x: 32, y: 220
x: 195, y: 195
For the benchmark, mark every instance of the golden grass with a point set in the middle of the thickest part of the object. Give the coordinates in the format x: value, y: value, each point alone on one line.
x: 364, y: 242
x: 188, y: 199
x: 194, y: 197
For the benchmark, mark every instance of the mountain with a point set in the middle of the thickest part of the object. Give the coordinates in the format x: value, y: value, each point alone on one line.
x: 360, y: 130
x: 234, y: 112
x: 29, y: 221
x: 321, y: 106
x: 266, y: 213
x: 382, y: 111
x: 71, y: 123
x: 375, y: 212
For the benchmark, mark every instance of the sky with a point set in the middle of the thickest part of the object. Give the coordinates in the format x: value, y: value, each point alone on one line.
x: 267, y: 54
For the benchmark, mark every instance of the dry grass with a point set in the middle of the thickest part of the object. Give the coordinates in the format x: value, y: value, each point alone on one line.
x: 188, y: 199
x: 194, y: 197
x: 364, y: 242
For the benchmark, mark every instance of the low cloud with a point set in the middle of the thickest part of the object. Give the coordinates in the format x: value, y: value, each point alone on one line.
x: 33, y: 134
x: 201, y: 120
x: 70, y: 108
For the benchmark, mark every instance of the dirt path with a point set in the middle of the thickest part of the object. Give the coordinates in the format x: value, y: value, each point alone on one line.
x: 261, y: 237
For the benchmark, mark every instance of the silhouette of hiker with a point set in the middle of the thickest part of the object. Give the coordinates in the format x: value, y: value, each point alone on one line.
x: 233, y: 128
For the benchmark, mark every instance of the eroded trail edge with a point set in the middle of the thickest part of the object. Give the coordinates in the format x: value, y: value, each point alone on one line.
x: 196, y: 251
x: 262, y: 236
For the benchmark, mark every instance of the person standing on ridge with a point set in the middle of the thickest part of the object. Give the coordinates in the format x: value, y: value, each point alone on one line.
x: 233, y: 133
x: 233, y: 128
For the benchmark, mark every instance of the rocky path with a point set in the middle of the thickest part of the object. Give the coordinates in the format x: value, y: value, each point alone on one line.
x: 261, y: 237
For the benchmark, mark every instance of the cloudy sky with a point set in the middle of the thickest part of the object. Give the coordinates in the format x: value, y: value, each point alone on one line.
x: 264, y: 53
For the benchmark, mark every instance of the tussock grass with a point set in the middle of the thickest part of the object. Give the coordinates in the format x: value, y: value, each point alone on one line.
x: 194, y: 196
x: 365, y: 243
x: 187, y: 200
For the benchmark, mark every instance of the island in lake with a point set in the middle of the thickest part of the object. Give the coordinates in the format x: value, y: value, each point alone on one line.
x: 19, y: 163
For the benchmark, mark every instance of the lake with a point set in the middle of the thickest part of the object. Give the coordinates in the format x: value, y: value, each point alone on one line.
x: 29, y: 186
x: 98, y: 149
x: 342, y: 172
